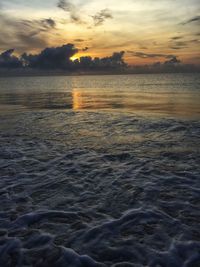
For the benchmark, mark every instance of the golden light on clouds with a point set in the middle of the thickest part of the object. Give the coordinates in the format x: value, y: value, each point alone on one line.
x: 152, y: 27
x: 74, y: 58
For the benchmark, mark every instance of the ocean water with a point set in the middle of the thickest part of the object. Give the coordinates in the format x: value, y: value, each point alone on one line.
x: 100, y: 171
x: 167, y: 94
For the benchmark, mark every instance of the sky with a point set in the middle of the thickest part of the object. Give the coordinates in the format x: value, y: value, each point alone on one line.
x: 147, y: 30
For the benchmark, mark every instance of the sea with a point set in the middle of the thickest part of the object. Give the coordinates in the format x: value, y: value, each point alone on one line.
x: 100, y: 170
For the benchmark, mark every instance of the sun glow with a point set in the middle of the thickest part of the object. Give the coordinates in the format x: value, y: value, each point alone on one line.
x: 79, y: 55
x: 74, y: 58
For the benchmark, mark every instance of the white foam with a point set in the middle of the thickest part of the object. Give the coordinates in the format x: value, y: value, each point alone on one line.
x: 118, y: 191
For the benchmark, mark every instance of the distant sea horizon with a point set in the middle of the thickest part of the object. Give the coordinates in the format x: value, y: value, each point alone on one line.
x: 60, y: 72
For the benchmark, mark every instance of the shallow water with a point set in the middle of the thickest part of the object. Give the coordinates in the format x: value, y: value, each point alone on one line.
x: 107, y: 186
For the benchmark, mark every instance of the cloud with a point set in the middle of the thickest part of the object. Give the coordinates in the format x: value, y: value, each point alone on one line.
x: 85, y: 48
x: 37, y: 26
x: 59, y: 58
x: 74, y: 12
x: 172, y: 61
x: 49, y: 23
x: 176, y: 37
x: 100, y: 17
x: 79, y: 40
x: 179, y: 45
x: 192, y: 20
x: 176, y: 43
x: 72, y: 9
x: 195, y: 41
x: 115, y: 61
x: 149, y: 55
x: 51, y: 58
x: 8, y: 61
x: 184, y: 44
x: 173, y: 65
x: 25, y: 34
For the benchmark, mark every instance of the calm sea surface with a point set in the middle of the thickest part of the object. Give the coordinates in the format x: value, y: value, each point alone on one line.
x: 160, y: 94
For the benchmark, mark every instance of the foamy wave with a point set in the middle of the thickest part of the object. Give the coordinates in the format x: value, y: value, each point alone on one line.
x: 99, y: 189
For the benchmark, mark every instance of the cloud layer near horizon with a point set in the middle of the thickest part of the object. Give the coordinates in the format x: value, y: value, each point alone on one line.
x: 60, y: 59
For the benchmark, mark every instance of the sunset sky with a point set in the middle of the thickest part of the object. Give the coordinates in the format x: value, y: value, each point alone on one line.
x: 147, y: 30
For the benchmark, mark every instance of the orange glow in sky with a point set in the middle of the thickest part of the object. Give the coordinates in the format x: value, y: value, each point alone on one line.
x: 148, y: 31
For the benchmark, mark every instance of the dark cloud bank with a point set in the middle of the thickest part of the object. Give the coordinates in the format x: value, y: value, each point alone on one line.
x: 59, y: 59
